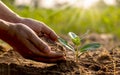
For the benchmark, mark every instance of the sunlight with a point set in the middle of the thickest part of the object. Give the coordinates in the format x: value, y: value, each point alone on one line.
x: 53, y: 3
x: 110, y: 2
x: 47, y: 3
x: 22, y: 2
x: 88, y: 3
x: 85, y: 3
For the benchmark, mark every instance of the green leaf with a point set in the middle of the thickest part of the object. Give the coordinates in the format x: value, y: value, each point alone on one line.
x: 65, y: 43
x: 91, y: 46
x: 75, y: 38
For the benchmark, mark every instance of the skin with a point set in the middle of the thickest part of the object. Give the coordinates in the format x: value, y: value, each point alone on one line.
x: 22, y: 34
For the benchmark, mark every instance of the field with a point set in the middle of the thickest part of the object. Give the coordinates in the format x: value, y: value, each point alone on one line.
x: 103, y: 23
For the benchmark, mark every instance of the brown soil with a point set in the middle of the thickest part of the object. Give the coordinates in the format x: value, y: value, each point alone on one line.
x: 103, y: 61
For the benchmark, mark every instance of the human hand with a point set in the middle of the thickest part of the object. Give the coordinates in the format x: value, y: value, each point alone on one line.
x: 40, y: 28
x: 29, y: 45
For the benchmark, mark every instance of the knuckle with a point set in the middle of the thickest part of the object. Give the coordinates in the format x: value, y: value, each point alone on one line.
x: 19, y: 25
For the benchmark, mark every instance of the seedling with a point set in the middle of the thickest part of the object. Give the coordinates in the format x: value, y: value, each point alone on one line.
x: 78, y: 49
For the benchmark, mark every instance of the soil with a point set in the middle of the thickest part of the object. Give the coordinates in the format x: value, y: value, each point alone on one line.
x: 103, y: 61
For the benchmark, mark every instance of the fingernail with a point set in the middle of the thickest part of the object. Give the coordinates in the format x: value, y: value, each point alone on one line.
x: 61, y: 60
x: 46, y: 49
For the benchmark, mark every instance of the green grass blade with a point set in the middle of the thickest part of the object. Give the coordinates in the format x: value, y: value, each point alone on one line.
x: 84, y: 35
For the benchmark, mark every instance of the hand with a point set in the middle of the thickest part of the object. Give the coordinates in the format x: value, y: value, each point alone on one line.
x: 40, y: 28
x: 24, y: 39
x: 29, y: 45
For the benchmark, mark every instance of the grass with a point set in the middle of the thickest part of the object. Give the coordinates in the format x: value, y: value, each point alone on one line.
x: 66, y: 19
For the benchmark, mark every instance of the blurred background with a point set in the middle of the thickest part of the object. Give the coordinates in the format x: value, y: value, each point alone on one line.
x: 98, y: 16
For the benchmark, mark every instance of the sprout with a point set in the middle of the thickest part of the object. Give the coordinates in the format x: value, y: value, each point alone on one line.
x: 78, y: 49
x: 75, y: 38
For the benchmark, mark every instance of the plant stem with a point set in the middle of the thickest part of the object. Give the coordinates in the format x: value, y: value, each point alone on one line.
x: 76, y: 54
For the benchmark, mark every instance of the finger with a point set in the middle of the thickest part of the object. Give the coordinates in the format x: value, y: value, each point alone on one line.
x: 39, y: 44
x: 31, y: 55
x: 35, y: 41
x: 53, y: 54
x: 48, y: 31
x: 37, y: 52
x: 32, y: 48
x: 44, y: 50
x: 48, y: 60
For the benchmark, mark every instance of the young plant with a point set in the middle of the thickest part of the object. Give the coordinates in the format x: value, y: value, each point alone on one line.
x: 78, y: 49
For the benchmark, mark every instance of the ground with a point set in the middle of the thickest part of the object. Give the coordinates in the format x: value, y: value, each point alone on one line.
x: 103, y: 61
